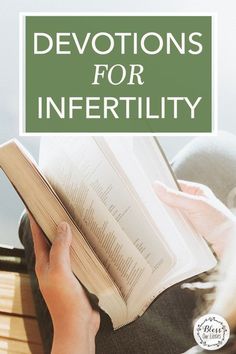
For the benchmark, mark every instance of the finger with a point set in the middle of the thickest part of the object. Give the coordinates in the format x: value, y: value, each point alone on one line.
x: 41, y: 246
x: 60, y: 250
x: 195, y: 188
x: 175, y: 198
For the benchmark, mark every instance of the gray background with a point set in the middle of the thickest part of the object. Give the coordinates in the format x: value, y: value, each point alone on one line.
x: 10, y: 205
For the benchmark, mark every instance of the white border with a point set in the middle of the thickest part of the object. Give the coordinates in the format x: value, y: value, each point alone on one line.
x: 214, y: 115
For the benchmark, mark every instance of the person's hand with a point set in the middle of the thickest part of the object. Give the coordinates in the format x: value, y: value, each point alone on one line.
x: 75, y: 322
x: 209, y: 216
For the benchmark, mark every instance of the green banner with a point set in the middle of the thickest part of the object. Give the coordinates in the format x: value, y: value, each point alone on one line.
x: 117, y: 74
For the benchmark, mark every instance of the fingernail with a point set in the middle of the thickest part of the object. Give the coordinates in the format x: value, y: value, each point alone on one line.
x: 62, y: 227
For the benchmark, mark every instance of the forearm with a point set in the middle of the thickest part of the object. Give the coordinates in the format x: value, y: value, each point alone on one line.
x: 69, y: 343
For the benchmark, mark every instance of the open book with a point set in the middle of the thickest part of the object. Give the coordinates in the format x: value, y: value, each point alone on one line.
x: 127, y: 246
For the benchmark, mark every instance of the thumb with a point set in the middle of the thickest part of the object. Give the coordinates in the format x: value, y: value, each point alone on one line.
x: 176, y: 198
x: 60, y: 250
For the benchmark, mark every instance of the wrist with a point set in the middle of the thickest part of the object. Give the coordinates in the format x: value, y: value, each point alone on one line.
x: 222, y: 236
x: 73, y: 341
x: 73, y: 327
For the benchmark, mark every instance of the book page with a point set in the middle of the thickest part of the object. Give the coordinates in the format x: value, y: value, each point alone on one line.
x: 88, y: 186
x: 156, y: 168
x: 139, y: 164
